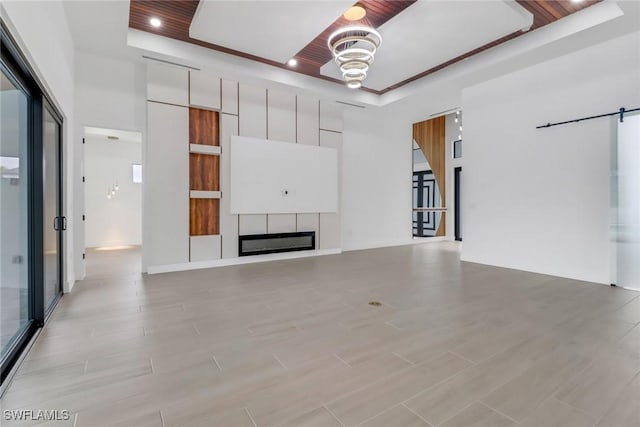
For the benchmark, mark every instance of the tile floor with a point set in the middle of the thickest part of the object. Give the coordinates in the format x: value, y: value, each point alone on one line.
x: 295, y: 343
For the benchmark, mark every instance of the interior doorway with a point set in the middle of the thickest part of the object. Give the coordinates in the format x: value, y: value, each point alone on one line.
x: 437, y: 152
x: 113, y: 201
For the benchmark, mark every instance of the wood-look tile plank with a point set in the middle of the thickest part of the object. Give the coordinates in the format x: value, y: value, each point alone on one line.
x: 318, y: 417
x: 624, y: 411
x: 390, y: 391
x: 479, y: 415
x: 554, y: 413
x: 398, y: 416
x: 596, y: 389
x: 443, y: 401
x: 521, y: 396
x: 216, y: 347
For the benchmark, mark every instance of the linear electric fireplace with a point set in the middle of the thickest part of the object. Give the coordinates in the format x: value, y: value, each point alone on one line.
x: 258, y: 244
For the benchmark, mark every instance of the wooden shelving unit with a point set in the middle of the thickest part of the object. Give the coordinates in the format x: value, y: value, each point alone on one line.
x: 204, y: 172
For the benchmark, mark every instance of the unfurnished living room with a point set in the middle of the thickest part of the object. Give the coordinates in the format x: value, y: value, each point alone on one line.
x: 320, y: 213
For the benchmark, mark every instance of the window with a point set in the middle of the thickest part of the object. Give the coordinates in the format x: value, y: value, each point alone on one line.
x: 136, y: 173
x: 457, y: 149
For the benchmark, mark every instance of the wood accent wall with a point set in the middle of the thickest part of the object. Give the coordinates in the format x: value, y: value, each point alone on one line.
x: 204, y: 217
x: 203, y: 127
x: 204, y: 172
x: 430, y: 137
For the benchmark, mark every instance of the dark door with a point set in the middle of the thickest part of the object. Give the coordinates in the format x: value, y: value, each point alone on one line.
x: 458, y: 203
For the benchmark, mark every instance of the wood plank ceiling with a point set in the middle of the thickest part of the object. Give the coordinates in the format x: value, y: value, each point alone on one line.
x: 177, y: 15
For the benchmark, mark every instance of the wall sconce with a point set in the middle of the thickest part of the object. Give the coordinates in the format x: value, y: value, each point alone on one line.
x: 111, y: 192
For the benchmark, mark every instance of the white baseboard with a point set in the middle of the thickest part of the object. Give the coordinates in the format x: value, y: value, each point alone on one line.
x: 156, y: 269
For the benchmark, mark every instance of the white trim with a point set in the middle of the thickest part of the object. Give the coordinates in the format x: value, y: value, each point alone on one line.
x: 155, y: 269
x: 195, y: 194
x: 205, y: 149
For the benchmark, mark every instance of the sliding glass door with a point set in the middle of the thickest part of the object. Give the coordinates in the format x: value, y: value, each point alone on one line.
x: 54, y: 222
x: 15, y: 292
x: 626, y: 191
x: 31, y: 218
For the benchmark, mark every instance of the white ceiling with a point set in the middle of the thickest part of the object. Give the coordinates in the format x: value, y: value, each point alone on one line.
x: 431, y: 32
x: 101, y: 27
x: 275, y: 30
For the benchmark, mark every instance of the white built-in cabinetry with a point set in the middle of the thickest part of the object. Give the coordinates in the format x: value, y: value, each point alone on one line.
x: 330, y: 231
x: 228, y: 128
x: 245, y: 110
x: 166, y: 185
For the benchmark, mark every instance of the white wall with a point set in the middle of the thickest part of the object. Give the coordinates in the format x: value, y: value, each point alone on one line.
x: 115, y: 221
x: 41, y: 30
x: 538, y: 200
x: 110, y: 93
x: 377, y: 168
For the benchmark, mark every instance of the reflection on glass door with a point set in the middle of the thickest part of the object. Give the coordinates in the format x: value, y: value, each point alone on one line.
x: 14, y: 212
x: 54, y: 222
x: 626, y: 225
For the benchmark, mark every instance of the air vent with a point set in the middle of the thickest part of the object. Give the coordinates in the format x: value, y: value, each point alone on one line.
x: 113, y: 138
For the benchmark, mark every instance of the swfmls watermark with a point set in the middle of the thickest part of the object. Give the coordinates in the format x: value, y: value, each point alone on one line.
x: 36, y: 415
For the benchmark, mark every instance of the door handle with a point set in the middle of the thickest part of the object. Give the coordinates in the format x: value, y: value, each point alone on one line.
x: 60, y: 223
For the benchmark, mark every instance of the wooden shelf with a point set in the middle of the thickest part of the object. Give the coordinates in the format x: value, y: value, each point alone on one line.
x: 212, y: 150
x: 204, y: 217
x: 204, y: 172
x: 205, y: 194
x: 203, y: 127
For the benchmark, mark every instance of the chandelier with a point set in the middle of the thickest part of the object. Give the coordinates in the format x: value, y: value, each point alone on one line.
x: 354, y: 48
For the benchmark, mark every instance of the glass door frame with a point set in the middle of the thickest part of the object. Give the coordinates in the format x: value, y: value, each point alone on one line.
x: 18, y: 68
x: 24, y: 334
x: 60, y: 222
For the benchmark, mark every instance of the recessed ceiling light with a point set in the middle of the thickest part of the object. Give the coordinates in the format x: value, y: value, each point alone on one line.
x: 355, y: 12
x: 576, y: 1
x: 292, y: 62
x: 155, y: 22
